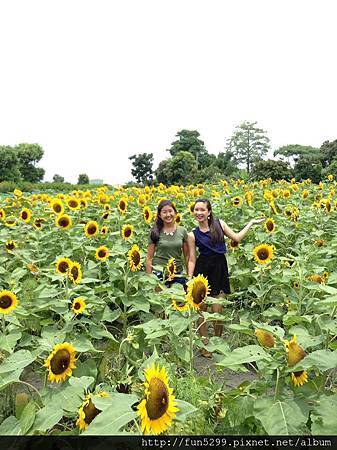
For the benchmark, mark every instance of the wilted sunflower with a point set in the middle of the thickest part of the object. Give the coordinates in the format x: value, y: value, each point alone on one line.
x: 63, y: 221
x: 265, y: 338
x: 180, y: 305
x: 25, y: 215
x: 75, y: 272
x: 269, y: 225
x: 197, y: 291
x: 2, y: 214
x: 102, y: 253
x: 122, y: 205
x: 88, y: 411
x: 33, y: 268
x: 127, y: 232
x: 73, y: 203
x: 317, y: 278
x: 295, y: 354
x: 134, y: 258
x: 61, y: 362
x: 319, y: 242
x: 78, y: 305
x: 8, y: 301
x: 10, y: 245
x: 63, y: 265
x: 171, y: 269
x: 263, y: 253
x: 91, y: 228
x: 158, y: 408
x: 147, y: 214
x: 57, y: 206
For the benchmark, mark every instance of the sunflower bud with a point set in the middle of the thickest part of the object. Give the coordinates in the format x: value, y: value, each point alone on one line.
x: 295, y: 353
x: 265, y: 338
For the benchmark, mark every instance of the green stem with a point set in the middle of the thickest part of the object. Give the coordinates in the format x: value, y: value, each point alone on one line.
x: 191, y: 346
x: 277, y: 384
x: 3, y: 325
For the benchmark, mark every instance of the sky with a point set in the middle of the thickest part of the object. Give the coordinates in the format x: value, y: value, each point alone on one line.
x: 94, y: 82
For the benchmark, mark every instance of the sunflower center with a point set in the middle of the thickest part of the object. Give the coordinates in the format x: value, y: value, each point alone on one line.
x: 263, y: 254
x: 24, y: 215
x: 63, y: 267
x: 90, y: 412
x: 57, y: 208
x: 127, y: 232
x: 74, y: 272
x: 92, y: 229
x: 122, y: 205
x: 270, y: 226
x: 299, y: 373
x: 5, y: 301
x: 60, y: 361
x: 73, y: 204
x: 135, y: 258
x: 102, y: 253
x: 198, y: 293
x: 63, y: 222
x: 77, y: 305
x: 157, y: 401
x: 10, y: 245
x: 147, y: 215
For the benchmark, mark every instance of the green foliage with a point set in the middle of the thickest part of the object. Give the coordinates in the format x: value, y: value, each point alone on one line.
x: 9, y: 164
x: 188, y: 141
x: 329, y: 152
x: 248, y: 144
x: 58, y: 178
x: 28, y: 156
x: 276, y: 170
x: 177, y: 170
x: 142, y: 168
x: 83, y: 179
x: 308, y: 168
x: 293, y: 152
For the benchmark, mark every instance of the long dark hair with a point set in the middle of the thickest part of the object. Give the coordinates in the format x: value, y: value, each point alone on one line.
x: 215, y: 228
x: 159, y: 224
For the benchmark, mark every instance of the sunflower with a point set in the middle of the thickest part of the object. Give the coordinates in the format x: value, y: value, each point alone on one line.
x: 8, y: 301
x: 233, y: 244
x: 180, y: 305
x: 2, y: 214
x: 269, y: 225
x: 33, y: 268
x: 296, y: 285
x: 63, y: 265
x: 171, y: 269
x: 134, y: 258
x: 122, y: 205
x: 263, y: 253
x: 295, y: 354
x: 57, y: 206
x: 237, y: 201
x: 73, y: 203
x: 61, y: 362
x: 78, y: 305
x: 83, y: 203
x: 191, y: 207
x: 142, y: 200
x: 88, y: 411
x: 147, y: 214
x: 265, y: 338
x: 75, y: 272
x: 127, y: 232
x: 319, y: 242
x: 38, y: 223
x: 102, y: 253
x: 158, y: 408
x: 317, y: 278
x: 10, y: 221
x: 197, y: 291
x: 91, y: 228
x: 10, y: 245
x: 17, y: 193
x: 178, y: 219
x: 63, y: 221
x: 104, y: 231
x: 25, y: 215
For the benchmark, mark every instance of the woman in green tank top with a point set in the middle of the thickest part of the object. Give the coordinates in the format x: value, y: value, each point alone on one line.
x: 167, y: 243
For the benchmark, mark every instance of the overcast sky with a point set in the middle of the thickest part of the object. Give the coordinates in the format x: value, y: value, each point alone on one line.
x: 94, y: 82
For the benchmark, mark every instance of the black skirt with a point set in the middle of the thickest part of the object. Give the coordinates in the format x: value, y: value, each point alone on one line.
x: 214, y: 268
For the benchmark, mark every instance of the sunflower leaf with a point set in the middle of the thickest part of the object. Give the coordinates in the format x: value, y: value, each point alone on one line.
x: 321, y: 360
x: 10, y: 377
x: 17, y: 360
x: 10, y: 427
x: 27, y: 417
x: 8, y: 341
x: 243, y: 355
x: 185, y: 409
x: 324, y: 416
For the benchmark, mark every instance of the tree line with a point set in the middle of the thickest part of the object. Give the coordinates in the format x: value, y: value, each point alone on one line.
x: 244, y: 157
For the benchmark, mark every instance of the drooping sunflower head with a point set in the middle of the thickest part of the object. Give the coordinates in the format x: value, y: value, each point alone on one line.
x: 61, y: 362
x: 10, y: 221
x: 269, y: 225
x: 171, y: 269
x: 319, y: 242
x: 127, y: 232
x: 88, y: 410
x: 63, y: 265
x: 78, y: 305
x: 2, y: 214
x: 317, y: 278
x: 57, y: 206
x: 299, y: 378
x: 134, y: 257
x: 263, y: 253
x: 10, y: 245
x: 122, y: 205
x: 265, y: 338
x: 25, y: 215
x: 91, y: 228
x: 180, y: 305
x: 147, y: 214
x: 75, y: 272
x: 158, y: 409
x: 63, y: 221
x: 33, y: 268
x: 104, y: 230
x: 295, y: 354
x: 102, y: 253
x: 38, y: 223
x: 197, y: 291
x: 8, y: 301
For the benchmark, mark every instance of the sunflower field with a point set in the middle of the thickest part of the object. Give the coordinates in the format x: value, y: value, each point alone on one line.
x: 90, y: 344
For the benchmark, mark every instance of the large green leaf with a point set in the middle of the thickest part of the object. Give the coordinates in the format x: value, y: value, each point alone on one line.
x: 17, y: 360
x: 320, y: 359
x: 324, y: 416
x: 243, y: 355
x: 8, y: 341
x: 46, y: 418
x: 10, y: 377
x: 185, y: 409
x: 280, y: 417
x: 27, y: 417
x: 10, y: 427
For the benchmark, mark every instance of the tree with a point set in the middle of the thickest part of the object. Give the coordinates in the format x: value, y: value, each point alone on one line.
x: 142, y: 167
x: 308, y: 168
x: 188, y: 141
x: 83, y: 179
x: 248, y: 144
x: 9, y: 164
x: 329, y: 152
x: 180, y: 169
x: 276, y: 170
x: 28, y: 156
x: 58, y: 179
x: 293, y: 152
x: 225, y: 162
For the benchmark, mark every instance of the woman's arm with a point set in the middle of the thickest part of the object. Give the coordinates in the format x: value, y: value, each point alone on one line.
x: 191, y: 255
x: 237, y: 237
x: 149, y: 258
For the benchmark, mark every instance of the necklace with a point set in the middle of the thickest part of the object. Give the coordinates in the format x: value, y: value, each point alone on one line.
x: 171, y: 233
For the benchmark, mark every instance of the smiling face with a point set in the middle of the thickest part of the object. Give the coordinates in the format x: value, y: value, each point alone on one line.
x: 167, y: 215
x: 201, y: 212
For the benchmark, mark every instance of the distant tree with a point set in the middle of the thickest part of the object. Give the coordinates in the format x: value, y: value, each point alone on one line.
x: 248, y: 144
x: 276, y: 170
x: 331, y: 169
x: 308, y: 168
x: 293, y: 152
x: 58, y: 179
x: 188, y: 141
x: 28, y: 156
x: 83, y: 179
x: 9, y: 164
x: 225, y: 162
x: 180, y: 169
x: 329, y: 152
x: 142, y: 168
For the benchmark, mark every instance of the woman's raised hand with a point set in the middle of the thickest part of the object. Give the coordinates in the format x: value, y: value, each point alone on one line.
x: 257, y: 221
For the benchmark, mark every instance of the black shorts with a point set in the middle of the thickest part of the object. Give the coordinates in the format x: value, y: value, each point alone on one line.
x: 177, y: 279
x: 214, y: 268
